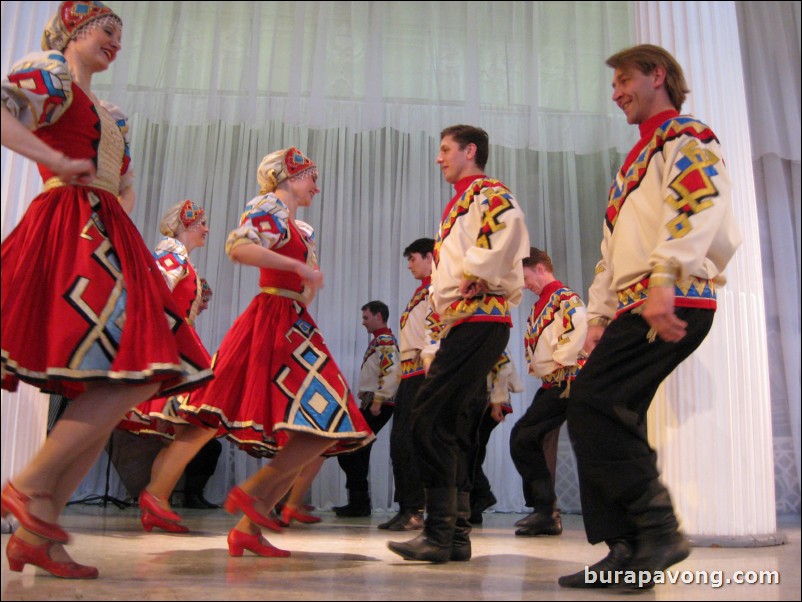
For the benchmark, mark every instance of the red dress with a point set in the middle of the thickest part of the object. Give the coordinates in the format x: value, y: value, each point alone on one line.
x: 273, y: 371
x: 158, y: 416
x: 82, y: 299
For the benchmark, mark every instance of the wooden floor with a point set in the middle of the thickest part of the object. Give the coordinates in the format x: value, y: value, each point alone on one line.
x: 347, y: 559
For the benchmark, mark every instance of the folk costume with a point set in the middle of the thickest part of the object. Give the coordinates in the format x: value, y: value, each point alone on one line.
x: 669, y: 221
x: 379, y: 376
x: 482, y: 236
x: 157, y: 416
x: 273, y: 371
x: 413, y: 339
x: 99, y: 308
x: 555, y: 333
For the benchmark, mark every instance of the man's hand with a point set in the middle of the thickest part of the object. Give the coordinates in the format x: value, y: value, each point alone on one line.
x: 469, y: 288
x: 496, y: 412
x: 658, y: 311
x: 376, y: 407
x: 595, y: 333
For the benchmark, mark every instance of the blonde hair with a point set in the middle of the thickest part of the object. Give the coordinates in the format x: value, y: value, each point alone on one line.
x: 170, y: 224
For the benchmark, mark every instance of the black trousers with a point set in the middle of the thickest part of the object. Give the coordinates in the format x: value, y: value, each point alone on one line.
x: 357, y: 465
x: 408, y: 487
x: 450, y: 404
x: 529, y: 443
x: 481, y: 484
x: 607, y: 419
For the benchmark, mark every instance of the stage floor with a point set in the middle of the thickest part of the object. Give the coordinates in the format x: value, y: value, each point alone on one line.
x: 347, y: 559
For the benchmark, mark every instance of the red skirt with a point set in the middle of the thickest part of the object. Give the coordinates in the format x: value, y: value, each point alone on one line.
x: 274, y: 374
x: 83, y: 301
x: 159, y: 416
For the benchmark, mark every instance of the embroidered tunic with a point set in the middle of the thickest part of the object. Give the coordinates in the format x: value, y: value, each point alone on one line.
x: 380, y: 374
x: 555, y: 334
x: 483, y: 235
x: 669, y: 211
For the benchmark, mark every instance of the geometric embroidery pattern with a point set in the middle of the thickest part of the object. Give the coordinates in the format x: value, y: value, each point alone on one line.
x: 317, y: 405
x: 494, y: 206
x: 624, y: 184
x: 561, y: 297
x: 496, y: 202
x: 693, y: 186
x: 419, y: 296
x: 692, y: 292
x: 45, y: 84
x: 98, y: 347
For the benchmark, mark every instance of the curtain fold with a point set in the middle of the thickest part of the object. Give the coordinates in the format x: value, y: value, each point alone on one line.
x: 364, y: 88
x: 771, y: 49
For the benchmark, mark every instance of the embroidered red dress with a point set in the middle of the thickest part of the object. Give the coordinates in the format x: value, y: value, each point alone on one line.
x: 82, y: 299
x: 273, y: 371
x: 157, y: 416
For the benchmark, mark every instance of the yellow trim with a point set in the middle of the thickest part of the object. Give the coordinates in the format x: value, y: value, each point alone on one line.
x: 281, y: 292
x: 56, y: 182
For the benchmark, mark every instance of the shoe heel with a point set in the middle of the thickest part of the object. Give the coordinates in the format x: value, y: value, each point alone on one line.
x: 16, y: 565
x: 235, y: 550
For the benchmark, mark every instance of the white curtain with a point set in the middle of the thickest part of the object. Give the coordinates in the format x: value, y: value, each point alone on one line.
x: 771, y: 42
x: 364, y: 88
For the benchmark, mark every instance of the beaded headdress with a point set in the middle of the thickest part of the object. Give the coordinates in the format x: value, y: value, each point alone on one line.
x: 282, y: 165
x: 191, y: 213
x: 68, y: 21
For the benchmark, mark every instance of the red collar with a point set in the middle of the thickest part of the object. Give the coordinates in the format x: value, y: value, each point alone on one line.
x: 647, y: 129
x: 460, y: 187
x: 380, y: 331
x: 545, y: 295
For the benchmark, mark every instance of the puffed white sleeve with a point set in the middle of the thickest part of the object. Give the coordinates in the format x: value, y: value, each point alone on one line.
x: 264, y: 222
x: 38, y: 90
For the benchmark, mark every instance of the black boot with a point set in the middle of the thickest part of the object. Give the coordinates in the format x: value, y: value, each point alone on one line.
x: 358, y: 504
x: 480, y: 503
x: 540, y: 522
x: 461, y: 543
x: 434, y: 544
x: 602, y: 574
x: 660, y: 543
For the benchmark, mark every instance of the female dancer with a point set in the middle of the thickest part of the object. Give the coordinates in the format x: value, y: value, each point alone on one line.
x: 77, y: 272
x: 184, y: 228
x: 277, y: 391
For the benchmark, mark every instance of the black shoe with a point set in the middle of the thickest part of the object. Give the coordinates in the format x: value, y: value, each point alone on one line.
x: 540, y: 523
x: 196, y: 500
x: 658, y: 552
x: 602, y: 574
x: 410, y: 521
x: 401, y: 514
x: 352, y: 509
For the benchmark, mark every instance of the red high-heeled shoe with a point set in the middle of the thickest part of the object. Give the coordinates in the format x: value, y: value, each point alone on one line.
x: 15, y: 502
x: 20, y: 553
x: 150, y: 503
x: 150, y: 520
x: 239, y: 541
x: 239, y: 501
x: 289, y: 514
